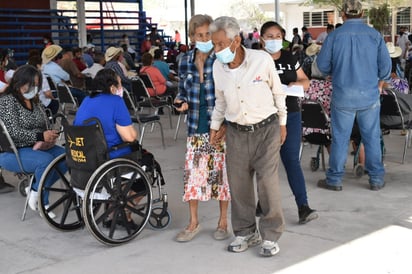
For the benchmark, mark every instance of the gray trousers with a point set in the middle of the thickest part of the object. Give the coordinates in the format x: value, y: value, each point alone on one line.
x: 247, y: 154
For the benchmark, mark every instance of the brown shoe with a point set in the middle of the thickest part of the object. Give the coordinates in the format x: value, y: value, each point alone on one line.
x: 220, y: 234
x: 187, y: 235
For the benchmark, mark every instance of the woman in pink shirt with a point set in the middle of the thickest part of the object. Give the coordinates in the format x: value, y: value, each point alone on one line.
x: 155, y: 75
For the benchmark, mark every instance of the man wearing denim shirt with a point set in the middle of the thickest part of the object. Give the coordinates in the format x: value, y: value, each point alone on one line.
x: 356, y: 57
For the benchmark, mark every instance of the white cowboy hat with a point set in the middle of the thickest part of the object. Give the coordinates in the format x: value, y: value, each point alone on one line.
x: 312, y: 49
x: 112, y: 52
x: 394, y: 52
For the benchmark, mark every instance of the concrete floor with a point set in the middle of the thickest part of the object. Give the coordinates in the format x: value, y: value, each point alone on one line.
x: 358, y: 230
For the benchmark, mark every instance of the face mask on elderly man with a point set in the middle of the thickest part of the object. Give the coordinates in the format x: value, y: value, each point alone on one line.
x: 226, y: 56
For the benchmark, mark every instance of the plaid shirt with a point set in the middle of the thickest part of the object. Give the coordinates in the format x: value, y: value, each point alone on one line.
x: 189, y: 88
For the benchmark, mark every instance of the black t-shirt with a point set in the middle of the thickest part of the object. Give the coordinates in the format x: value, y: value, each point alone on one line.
x: 286, y: 66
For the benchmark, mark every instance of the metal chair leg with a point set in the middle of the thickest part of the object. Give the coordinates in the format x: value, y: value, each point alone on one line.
x: 178, y: 125
x: 27, y: 199
x: 161, y: 133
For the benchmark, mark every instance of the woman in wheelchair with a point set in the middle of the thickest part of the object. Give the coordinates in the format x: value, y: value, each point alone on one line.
x: 110, y: 109
x: 26, y: 123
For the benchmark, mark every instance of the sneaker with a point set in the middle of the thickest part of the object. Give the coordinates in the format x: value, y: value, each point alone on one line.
x: 27, y: 190
x: 187, y: 235
x: 269, y: 249
x: 220, y: 234
x: 306, y: 214
x: 242, y: 243
x: 33, y: 200
x: 50, y: 213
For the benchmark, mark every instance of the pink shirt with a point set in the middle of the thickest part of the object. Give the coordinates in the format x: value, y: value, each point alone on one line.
x: 157, y: 78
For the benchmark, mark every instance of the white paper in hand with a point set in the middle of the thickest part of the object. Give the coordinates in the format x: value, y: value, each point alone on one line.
x: 296, y: 91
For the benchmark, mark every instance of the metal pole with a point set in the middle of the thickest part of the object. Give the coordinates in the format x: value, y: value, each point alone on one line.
x: 186, y: 22
x: 192, y: 8
x: 101, y: 27
x: 277, y: 18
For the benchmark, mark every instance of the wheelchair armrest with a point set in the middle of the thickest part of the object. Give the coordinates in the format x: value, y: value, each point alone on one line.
x: 135, y: 146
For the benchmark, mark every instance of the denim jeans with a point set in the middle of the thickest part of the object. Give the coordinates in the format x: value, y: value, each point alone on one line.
x: 33, y: 161
x: 289, y: 153
x: 369, y: 125
x: 78, y: 94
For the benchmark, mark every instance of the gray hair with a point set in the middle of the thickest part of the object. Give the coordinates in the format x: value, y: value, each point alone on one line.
x: 198, y: 20
x: 228, y: 24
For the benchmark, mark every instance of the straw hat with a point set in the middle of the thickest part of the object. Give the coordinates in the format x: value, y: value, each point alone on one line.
x: 352, y: 7
x: 112, y: 52
x: 50, y: 52
x: 394, y: 52
x: 312, y: 49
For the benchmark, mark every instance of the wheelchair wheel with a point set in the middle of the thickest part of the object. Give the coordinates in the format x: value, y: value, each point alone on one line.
x: 358, y: 170
x: 63, y: 211
x: 314, y: 164
x: 23, y: 184
x: 121, y: 190
x: 159, y: 218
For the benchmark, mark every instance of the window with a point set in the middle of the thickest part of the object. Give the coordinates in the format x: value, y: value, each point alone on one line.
x: 318, y: 18
x: 403, y: 18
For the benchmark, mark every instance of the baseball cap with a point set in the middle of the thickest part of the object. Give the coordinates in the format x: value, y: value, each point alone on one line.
x: 352, y: 7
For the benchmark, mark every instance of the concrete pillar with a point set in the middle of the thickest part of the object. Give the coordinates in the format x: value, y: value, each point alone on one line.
x: 81, y: 23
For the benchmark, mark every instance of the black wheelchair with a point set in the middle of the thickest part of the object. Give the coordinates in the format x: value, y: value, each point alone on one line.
x: 112, y: 197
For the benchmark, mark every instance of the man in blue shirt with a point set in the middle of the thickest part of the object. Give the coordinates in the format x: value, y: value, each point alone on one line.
x: 356, y: 57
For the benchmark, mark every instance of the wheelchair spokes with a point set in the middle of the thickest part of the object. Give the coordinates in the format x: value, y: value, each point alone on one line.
x: 58, y: 203
x: 128, y: 208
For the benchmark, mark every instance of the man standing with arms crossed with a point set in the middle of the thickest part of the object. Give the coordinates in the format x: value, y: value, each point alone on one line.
x: 250, y: 97
x: 356, y: 57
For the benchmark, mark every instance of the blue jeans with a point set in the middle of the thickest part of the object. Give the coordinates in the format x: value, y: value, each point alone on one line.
x: 78, y: 94
x: 369, y: 125
x: 33, y: 161
x: 289, y: 153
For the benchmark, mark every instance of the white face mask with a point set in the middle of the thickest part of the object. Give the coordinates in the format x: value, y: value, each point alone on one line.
x: 119, y: 92
x: 226, y: 56
x: 273, y: 46
x: 31, y: 93
x: 204, y: 47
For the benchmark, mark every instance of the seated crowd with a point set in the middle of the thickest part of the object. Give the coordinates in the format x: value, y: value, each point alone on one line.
x: 116, y: 69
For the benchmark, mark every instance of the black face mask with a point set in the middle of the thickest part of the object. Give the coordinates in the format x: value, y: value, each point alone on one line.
x: 400, y: 33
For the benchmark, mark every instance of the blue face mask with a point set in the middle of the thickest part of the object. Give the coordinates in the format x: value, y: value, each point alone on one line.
x: 204, y: 47
x: 273, y: 46
x: 226, y: 56
x: 31, y: 93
